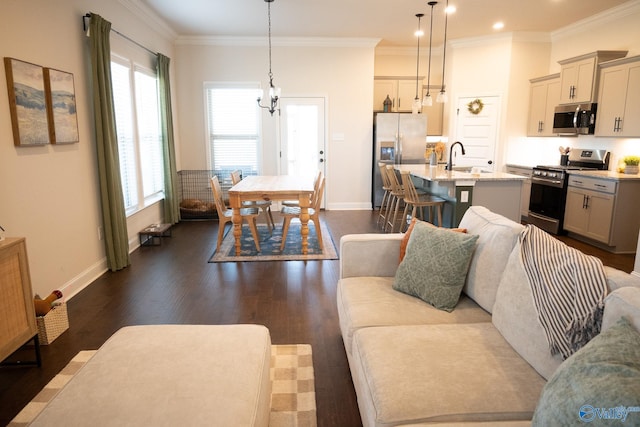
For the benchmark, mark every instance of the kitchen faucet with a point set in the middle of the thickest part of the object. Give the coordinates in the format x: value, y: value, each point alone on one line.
x: 450, y: 161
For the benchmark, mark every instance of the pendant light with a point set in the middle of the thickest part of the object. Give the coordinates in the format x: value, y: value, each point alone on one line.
x: 442, y: 96
x: 428, y: 101
x: 274, y: 92
x: 416, y: 102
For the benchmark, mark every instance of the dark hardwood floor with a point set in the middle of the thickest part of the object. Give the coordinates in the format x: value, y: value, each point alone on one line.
x: 174, y: 283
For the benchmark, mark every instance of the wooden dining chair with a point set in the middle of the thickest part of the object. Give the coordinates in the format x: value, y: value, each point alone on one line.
x: 415, y: 200
x: 263, y: 205
x: 316, y: 183
x: 225, y: 214
x: 290, y: 212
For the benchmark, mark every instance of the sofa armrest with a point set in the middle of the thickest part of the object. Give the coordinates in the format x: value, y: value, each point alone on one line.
x: 369, y: 254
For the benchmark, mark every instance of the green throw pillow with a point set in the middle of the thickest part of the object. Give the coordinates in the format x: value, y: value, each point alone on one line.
x: 435, y: 265
x: 598, y: 385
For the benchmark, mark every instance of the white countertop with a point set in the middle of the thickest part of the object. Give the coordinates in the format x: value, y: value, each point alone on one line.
x: 519, y: 165
x: 610, y: 175
x: 437, y: 173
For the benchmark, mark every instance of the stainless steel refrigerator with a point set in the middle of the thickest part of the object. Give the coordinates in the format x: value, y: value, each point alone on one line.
x: 397, y: 138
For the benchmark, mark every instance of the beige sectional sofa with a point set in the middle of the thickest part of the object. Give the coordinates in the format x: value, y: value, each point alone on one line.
x: 484, y: 363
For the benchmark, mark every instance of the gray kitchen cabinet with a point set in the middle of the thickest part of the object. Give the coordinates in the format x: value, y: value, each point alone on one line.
x: 525, y: 194
x: 544, y: 95
x: 589, y: 213
x: 579, y: 75
x: 619, y: 98
x: 604, y: 211
x: 401, y: 91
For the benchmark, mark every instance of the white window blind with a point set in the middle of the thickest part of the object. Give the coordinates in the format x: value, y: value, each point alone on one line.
x: 150, y: 138
x: 233, y: 124
x: 121, y: 85
x: 135, y: 96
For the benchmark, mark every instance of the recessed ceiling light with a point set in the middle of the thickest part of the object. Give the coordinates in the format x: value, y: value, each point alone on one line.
x: 498, y: 25
x: 450, y: 9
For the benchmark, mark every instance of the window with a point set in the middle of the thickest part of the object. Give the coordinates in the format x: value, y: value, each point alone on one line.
x: 135, y: 96
x: 233, y: 128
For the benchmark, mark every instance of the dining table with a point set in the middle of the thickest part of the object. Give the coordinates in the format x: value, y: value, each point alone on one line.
x: 273, y: 188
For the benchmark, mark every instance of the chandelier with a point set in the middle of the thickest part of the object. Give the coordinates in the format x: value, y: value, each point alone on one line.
x: 274, y: 92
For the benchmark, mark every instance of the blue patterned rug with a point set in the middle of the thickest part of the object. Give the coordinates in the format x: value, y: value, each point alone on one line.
x: 270, y: 245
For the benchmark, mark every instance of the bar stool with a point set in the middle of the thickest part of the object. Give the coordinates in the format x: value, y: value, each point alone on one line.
x: 412, y: 198
x: 396, y: 198
x: 386, y: 186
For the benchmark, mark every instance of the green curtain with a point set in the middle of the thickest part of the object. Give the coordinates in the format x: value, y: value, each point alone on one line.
x: 113, y: 211
x: 171, y: 202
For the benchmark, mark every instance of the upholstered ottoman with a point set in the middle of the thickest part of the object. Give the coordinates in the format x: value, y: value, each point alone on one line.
x: 170, y: 375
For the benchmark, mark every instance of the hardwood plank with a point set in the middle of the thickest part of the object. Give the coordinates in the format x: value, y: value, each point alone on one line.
x: 174, y: 283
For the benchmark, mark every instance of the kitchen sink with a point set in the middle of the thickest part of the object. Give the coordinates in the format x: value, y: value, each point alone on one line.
x: 468, y: 169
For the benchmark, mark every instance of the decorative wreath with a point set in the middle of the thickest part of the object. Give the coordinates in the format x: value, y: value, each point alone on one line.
x: 475, y: 106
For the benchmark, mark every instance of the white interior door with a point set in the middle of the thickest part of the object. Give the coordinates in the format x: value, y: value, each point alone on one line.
x: 302, y: 136
x: 477, y: 132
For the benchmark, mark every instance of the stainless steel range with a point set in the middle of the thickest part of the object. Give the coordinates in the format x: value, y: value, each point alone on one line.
x: 549, y: 187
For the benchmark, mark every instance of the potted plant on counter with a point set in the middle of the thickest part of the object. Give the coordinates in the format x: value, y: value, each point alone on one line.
x: 631, y: 164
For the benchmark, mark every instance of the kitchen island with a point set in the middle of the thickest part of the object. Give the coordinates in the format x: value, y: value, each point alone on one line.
x: 499, y: 192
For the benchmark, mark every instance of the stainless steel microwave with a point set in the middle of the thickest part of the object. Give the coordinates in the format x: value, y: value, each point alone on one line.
x: 575, y: 119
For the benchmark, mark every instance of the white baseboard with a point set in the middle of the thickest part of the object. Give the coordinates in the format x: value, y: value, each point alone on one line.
x: 349, y: 207
x: 84, y: 279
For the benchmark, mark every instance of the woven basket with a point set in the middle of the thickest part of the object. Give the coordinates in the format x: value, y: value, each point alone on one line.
x: 52, y: 324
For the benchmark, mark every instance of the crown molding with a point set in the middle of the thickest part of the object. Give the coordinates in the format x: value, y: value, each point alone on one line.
x: 404, y: 51
x: 277, y: 41
x: 150, y: 17
x: 608, y: 16
x: 519, y: 36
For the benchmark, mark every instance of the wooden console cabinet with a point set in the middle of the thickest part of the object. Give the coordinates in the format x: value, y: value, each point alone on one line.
x: 17, y: 313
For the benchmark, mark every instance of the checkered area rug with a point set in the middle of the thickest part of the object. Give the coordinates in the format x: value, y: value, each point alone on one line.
x: 293, y: 397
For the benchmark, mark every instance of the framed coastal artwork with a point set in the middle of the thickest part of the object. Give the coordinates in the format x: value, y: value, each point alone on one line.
x: 61, y: 106
x: 27, y: 102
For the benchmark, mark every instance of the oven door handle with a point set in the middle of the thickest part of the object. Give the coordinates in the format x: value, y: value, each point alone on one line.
x: 547, y: 182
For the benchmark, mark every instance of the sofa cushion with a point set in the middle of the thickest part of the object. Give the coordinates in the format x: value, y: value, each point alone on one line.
x: 498, y: 235
x: 623, y: 302
x: 371, y: 301
x: 407, y: 234
x: 435, y: 265
x: 617, y: 279
x: 440, y: 373
x: 605, y: 373
x: 516, y: 317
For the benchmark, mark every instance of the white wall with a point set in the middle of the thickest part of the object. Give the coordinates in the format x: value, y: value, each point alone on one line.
x: 340, y: 71
x: 49, y: 194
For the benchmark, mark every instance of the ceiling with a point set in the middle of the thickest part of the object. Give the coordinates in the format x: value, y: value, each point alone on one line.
x: 391, y: 21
